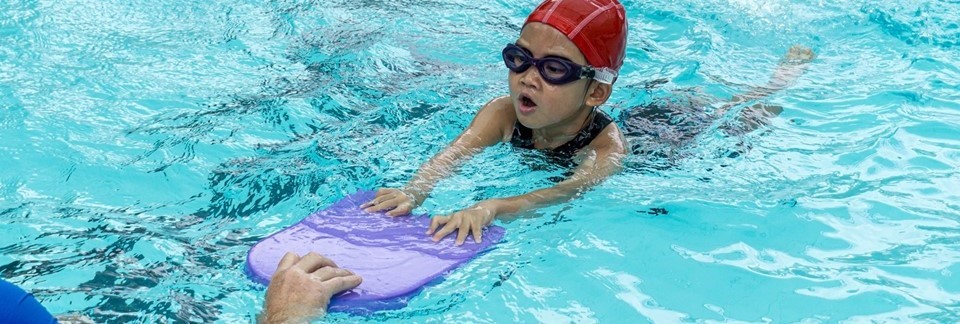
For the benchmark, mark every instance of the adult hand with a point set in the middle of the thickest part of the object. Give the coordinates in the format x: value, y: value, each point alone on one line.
x: 470, y: 220
x: 396, y: 201
x: 301, y: 288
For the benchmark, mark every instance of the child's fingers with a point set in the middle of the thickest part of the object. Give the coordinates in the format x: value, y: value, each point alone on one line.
x: 402, y: 209
x: 435, y: 222
x: 462, y: 234
x: 384, y: 204
x: 372, y: 202
x: 477, y: 233
x: 383, y: 194
x: 393, y: 202
x: 375, y: 207
x: 448, y: 228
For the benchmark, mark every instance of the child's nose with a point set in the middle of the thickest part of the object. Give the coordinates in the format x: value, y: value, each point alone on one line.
x: 530, y: 77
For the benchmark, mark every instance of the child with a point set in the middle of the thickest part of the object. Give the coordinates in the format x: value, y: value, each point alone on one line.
x: 560, y: 69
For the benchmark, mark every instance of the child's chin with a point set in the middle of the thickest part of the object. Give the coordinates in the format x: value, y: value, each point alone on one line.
x: 528, y: 122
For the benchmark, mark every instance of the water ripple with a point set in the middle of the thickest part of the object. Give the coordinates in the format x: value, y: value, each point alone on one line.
x: 140, y: 159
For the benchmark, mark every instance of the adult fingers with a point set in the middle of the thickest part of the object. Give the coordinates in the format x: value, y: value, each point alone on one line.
x: 448, y: 228
x: 327, y: 273
x: 337, y: 285
x: 435, y: 222
x: 288, y: 260
x: 312, y: 261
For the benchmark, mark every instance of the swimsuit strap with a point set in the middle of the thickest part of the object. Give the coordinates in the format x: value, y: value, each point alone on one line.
x: 523, y: 136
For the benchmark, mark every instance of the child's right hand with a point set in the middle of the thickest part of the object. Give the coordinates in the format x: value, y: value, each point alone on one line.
x: 395, y: 200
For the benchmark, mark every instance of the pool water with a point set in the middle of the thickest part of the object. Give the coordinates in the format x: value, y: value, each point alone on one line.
x: 146, y: 146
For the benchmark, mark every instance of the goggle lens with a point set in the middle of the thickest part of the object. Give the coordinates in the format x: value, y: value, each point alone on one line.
x: 553, y: 70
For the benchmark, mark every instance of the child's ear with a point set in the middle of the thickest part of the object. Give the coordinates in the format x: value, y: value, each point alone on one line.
x: 598, y: 93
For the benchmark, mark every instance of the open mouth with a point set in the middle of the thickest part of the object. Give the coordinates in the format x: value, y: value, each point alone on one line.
x: 527, y: 105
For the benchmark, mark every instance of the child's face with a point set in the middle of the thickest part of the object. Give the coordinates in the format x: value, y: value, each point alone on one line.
x: 538, y: 103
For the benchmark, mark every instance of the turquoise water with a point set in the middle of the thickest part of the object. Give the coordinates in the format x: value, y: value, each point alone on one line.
x: 145, y: 147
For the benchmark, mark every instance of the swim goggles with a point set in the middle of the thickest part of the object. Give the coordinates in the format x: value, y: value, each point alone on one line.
x: 554, y: 70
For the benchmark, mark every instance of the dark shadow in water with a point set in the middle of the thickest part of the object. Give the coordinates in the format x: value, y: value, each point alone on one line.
x: 315, y: 149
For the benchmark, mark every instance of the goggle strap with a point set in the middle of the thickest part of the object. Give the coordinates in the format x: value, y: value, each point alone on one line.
x: 604, y: 75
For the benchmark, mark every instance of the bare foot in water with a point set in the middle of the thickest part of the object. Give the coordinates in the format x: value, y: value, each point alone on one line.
x: 791, y: 67
x: 800, y: 54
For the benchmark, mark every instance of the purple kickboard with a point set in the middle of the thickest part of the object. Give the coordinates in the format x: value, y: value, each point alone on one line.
x: 394, y: 255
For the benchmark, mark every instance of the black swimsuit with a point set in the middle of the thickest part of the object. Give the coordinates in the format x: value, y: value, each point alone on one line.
x: 523, y: 136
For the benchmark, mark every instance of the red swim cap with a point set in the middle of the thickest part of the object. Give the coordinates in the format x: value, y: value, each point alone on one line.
x: 597, y: 27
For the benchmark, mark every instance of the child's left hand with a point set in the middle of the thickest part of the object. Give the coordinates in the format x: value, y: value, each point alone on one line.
x: 470, y: 220
x: 396, y: 201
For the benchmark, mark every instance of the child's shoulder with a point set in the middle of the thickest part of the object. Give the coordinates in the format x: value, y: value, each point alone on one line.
x: 500, y: 108
x: 501, y: 105
x: 497, y: 116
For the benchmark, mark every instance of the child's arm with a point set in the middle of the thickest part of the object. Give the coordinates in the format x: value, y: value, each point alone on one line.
x: 489, y: 127
x: 605, y: 157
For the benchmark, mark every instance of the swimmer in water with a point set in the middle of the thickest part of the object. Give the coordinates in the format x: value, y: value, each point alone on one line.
x: 561, y: 68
